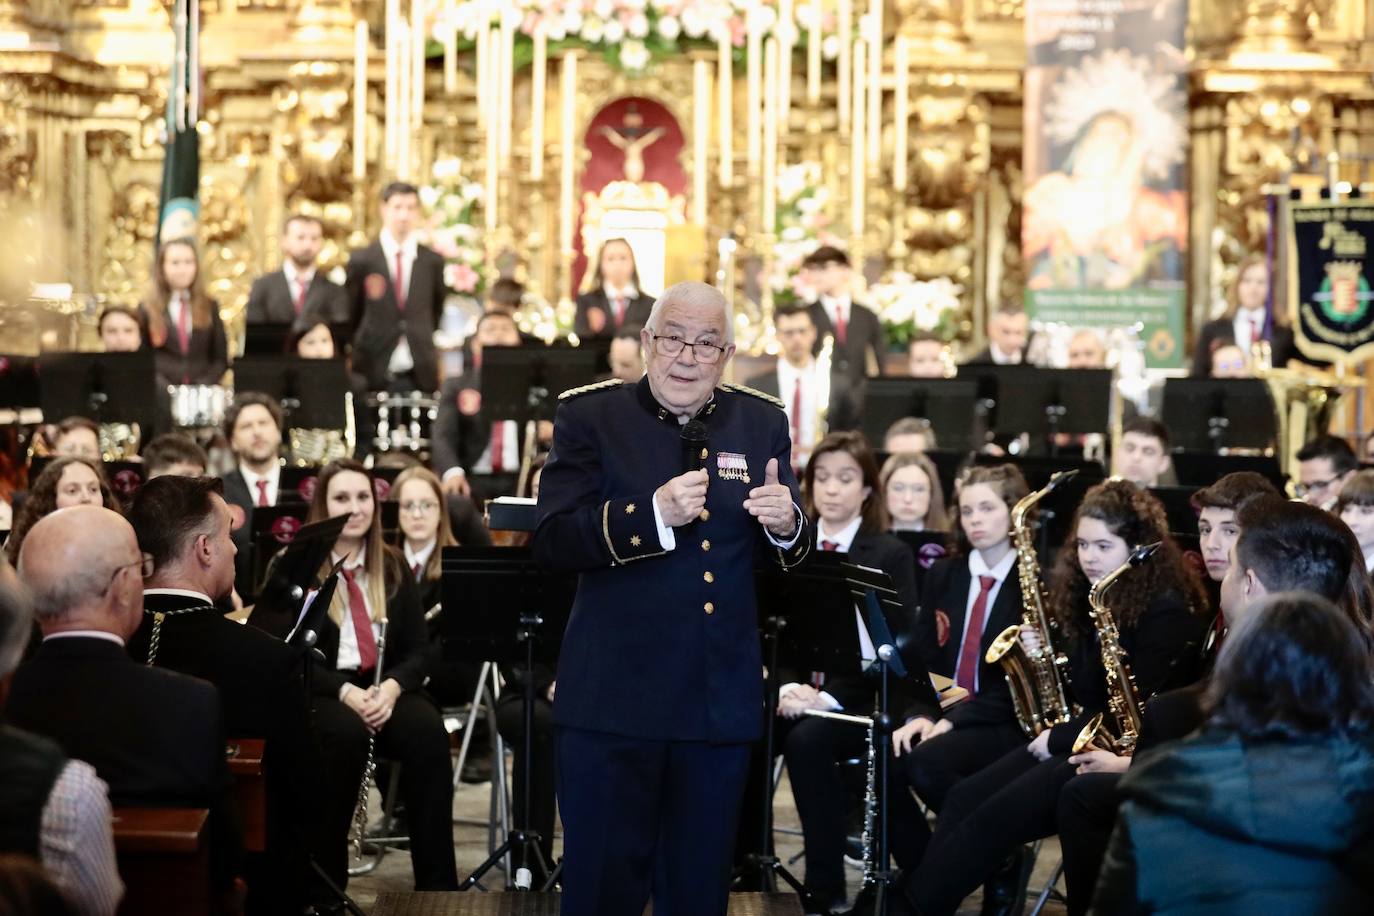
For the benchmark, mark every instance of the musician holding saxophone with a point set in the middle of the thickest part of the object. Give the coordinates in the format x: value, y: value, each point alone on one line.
x: 376, y: 595
x: 1149, y: 612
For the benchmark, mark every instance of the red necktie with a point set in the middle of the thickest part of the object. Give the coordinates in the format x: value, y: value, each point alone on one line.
x: 302, y: 286
x: 830, y: 545
x: 184, y: 325
x: 399, y: 282
x: 362, y: 625
x: 619, y: 311
x: 841, y: 330
x: 262, y: 493
x: 967, y: 674
x: 415, y: 570
x: 498, y: 441
x: 796, y: 419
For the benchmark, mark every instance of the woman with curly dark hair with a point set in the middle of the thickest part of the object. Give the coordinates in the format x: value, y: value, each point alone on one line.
x: 67, y: 481
x: 1158, y: 607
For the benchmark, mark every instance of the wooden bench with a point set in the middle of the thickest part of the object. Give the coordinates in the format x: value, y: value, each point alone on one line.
x: 250, y: 791
x: 164, y: 860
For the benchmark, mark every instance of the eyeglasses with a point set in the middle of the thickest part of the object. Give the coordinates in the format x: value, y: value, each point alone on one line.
x: 422, y: 507
x: 706, y: 353
x: 144, y: 563
x: 1315, y: 486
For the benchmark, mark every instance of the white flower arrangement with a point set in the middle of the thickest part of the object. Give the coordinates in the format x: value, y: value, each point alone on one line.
x: 449, y: 202
x: 803, y: 217
x: 906, y: 306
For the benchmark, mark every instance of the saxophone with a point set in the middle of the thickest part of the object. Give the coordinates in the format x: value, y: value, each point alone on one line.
x: 370, y: 768
x: 1037, y: 687
x: 1123, y: 699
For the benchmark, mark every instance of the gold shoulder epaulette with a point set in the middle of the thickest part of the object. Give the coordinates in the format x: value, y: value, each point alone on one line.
x: 754, y: 393
x: 594, y: 386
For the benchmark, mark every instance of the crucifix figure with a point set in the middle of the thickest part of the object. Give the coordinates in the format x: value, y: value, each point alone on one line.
x: 632, y: 142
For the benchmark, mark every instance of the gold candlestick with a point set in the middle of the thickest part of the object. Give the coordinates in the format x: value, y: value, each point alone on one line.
x: 857, y: 186
x: 568, y: 125
x: 701, y: 133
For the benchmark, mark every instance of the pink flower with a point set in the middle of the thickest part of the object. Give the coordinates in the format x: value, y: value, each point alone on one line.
x: 460, y: 278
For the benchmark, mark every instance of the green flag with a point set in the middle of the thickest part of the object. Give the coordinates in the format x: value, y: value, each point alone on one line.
x: 180, y: 206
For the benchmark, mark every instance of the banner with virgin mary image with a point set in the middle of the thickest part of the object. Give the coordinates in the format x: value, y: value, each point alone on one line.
x: 1105, y: 218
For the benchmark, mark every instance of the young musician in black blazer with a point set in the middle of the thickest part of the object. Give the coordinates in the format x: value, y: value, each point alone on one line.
x: 841, y: 493
x: 1160, y: 611
x: 857, y: 332
x: 376, y: 586
x: 184, y: 328
x: 1247, y: 320
x: 615, y: 302
x: 393, y: 330
x: 298, y: 294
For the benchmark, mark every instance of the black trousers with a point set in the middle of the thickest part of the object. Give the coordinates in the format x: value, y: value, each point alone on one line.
x: 933, y: 768
x: 1086, y: 815
x: 644, y: 816
x: 510, y: 723
x: 414, y: 737
x: 343, y: 751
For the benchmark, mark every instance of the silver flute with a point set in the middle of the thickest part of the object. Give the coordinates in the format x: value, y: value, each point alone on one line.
x: 370, y: 769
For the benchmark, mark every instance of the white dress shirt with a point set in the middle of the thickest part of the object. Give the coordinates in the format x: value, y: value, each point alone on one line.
x: 401, y: 361
x: 977, y: 566
x: 414, y: 559
x: 175, y: 306
x: 1003, y: 359
x: 349, y: 658
x: 1247, y: 326
x: 296, y: 279
x: 788, y: 376
x: 272, y: 477
x: 86, y: 634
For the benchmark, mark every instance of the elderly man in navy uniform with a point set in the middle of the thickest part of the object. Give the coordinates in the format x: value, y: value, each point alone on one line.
x: 660, y: 683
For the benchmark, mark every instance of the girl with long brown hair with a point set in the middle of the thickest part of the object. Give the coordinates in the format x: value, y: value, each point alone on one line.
x: 1249, y: 319
x: 614, y: 302
x: 184, y: 326
x: 376, y: 595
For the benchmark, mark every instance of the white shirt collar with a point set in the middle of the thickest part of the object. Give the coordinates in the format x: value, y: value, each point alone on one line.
x: 359, y: 562
x: 421, y: 558
x: 977, y: 566
x: 293, y: 275
x: 830, y: 302
x: 1002, y: 358
x: 86, y: 634
x: 273, y: 478
x: 844, y: 537
x: 628, y: 292
x: 180, y: 593
x: 390, y: 245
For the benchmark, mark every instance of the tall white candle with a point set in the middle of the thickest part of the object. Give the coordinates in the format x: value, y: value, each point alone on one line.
x: 845, y: 26
x: 359, y: 100
x: 538, y: 82
x: 753, y: 69
x: 568, y: 89
x: 403, y: 75
x: 787, y: 25
x: 813, y: 56
x: 392, y: 85
x: 901, y: 111
x: 417, y: 84
x: 701, y: 133
x: 856, y: 149
x: 725, y: 103
x: 769, y: 187
x: 874, y: 121
x: 506, y: 81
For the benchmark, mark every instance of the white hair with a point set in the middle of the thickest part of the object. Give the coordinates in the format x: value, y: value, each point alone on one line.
x: 694, y: 293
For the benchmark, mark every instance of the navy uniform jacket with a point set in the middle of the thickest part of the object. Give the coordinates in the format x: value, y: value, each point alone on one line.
x: 660, y: 645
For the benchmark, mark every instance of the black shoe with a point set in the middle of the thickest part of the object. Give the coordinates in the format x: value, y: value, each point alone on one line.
x: 1005, y: 892
x: 822, y: 903
x: 865, y: 904
x: 476, y: 770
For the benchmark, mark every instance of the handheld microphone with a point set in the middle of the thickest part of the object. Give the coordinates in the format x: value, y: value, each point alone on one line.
x: 693, y: 446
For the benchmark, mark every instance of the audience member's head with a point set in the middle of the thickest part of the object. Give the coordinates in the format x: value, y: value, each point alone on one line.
x: 909, y: 434
x: 1217, y: 525
x: 184, y: 523
x: 253, y: 426
x: 400, y: 209
x: 64, y: 482
x: 911, y: 489
x: 615, y: 267
x: 77, y: 437
x: 314, y: 342
x: 840, y: 484
x: 84, y: 571
x: 505, y: 295
x: 925, y: 356
x: 174, y: 453
x: 1143, y: 454
x: 626, y: 357
x: 827, y: 271
x: 1009, y: 329
x: 1291, y: 546
x: 121, y: 329
x: 1324, y: 465
x: 1086, y: 350
x: 1294, y: 666
x: 1229, y: 361
x: 302, y: 239
x: 796, y: 332
x: 1355, y: 506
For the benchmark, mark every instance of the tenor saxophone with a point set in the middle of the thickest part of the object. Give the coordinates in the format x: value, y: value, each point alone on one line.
x: 1123, y: 698
x: 370, y: 768
x: 1036, y: 681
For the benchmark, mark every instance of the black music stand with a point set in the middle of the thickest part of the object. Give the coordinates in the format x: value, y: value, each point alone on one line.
x: 106, y: 387
x: 290, y: 573
x: 19, y: 388
x: 950, y: 405
x: 1046, y: 402
x: 1210, y: 414
x: 1178, y: 508
x: 265, y: 338
x: 293, y: 487
x: 512, y: 612
x: 1202, y: 469
x: 311, y: 391
x: 523, y: 383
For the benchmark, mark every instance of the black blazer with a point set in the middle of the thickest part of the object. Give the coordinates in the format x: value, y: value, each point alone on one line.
x: 270, y: 301
x: 1172, y: 715
x: 1221, y: 332
x: 843, y: 412
x: 236, y: 494
x: 377, y: 323
x: 636, y: 315
x: 206, y: 358
x: 154, y: 736
x: 408, y: 653
x: 863, y: 335
x: 460, y: 438
x: 939, y: 627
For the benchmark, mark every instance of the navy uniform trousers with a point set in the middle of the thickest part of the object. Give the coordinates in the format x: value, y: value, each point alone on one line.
x: 660, y: 678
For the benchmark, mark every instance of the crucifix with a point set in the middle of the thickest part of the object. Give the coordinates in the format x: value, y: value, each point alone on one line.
x: 632, y: 140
